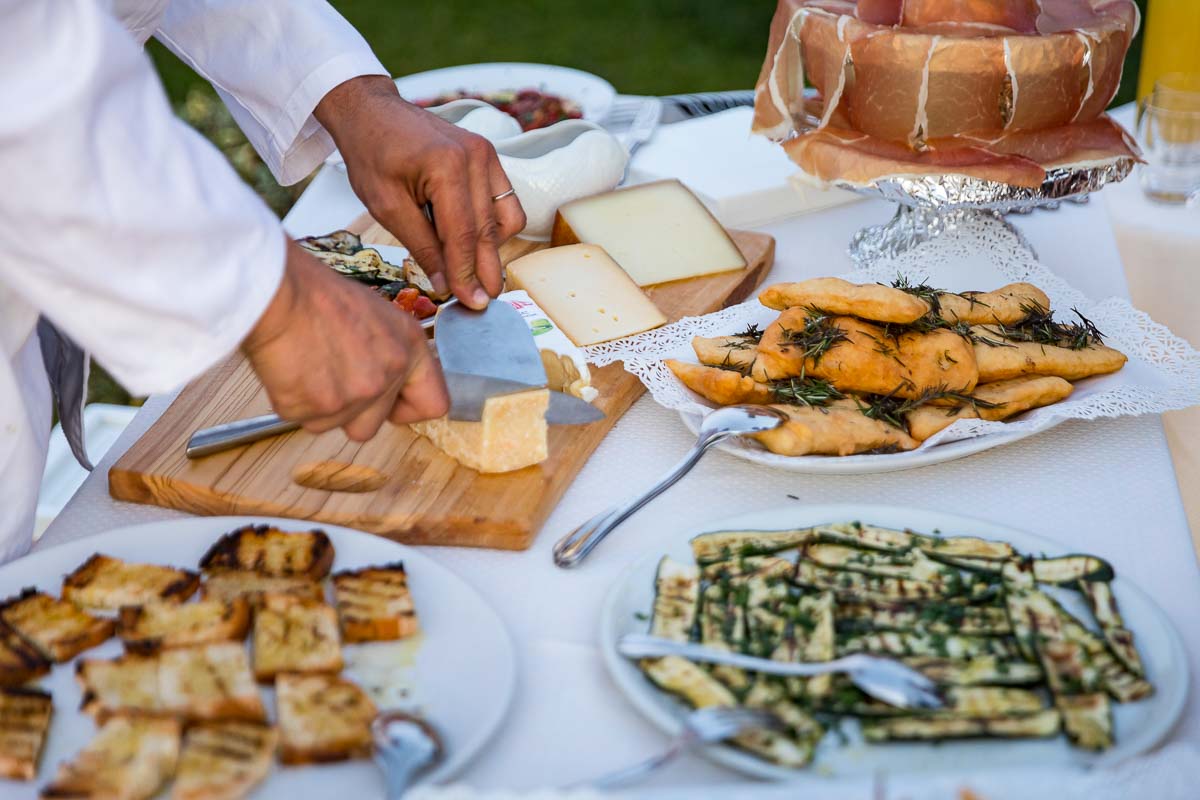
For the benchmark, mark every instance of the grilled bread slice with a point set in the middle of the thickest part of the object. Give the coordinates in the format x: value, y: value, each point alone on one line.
x: 212, y: 682
x: 322, y: 718
x: 226, y: 584
x: 125, y: 685
x: 374, y: 604
x: 20, y: 662
x: 223, y: 760
x: 24, y: 721
x: 57, y: 628
x: 155, y: 626
x: 129, y: 759
x: 295, y: 635
x: 270, y: 551
x: 106, y: 582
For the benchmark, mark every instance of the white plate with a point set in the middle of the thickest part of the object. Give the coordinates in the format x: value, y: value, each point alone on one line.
x: 593, y: 94
x: 865, y: 464
x: 460, y: 671
x: 1139, y: 726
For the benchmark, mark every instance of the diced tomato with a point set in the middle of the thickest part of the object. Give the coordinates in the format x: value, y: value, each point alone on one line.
x: 415, y: 303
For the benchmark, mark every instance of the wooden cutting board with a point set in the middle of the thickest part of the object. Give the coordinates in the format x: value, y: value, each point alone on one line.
x: 398, y: 484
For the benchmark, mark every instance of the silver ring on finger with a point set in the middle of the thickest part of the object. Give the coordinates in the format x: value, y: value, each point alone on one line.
x: 503, y: 195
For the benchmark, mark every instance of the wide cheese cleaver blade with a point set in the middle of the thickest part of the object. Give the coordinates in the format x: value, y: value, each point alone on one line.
x: 496, y: 345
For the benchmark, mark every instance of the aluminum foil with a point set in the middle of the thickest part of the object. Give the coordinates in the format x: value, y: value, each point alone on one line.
x: 951, y: 192
x: 930, y: 205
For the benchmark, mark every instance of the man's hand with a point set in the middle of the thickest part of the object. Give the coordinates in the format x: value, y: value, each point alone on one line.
x: 332, y: 354
x: 400, y: 157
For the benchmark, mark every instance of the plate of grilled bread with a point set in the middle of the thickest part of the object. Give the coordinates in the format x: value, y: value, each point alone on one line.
x: 216, y: 657
x: 1042, y: 655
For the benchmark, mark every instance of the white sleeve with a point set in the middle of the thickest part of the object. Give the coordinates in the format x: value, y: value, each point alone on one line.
x: 117, y: 221
x: 271, y: 61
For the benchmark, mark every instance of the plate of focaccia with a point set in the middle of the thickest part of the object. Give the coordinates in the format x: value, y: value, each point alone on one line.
x: 877, y: 377
x: 218, y: 657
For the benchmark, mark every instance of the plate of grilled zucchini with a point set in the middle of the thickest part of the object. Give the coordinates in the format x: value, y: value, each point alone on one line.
x: 214, y: 657
x: 1043, y: 657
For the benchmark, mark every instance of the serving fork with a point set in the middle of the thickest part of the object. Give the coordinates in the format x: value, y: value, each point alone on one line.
x: 703, y: 726
x: 884, y: 679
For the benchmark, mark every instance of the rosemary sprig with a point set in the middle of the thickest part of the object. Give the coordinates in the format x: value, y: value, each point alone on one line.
x: 891, y: 408
x: 747, y: 339
x: 922, y: 290
x: 815, y: 339
x: 812, y: 392
x: 1039, y: 327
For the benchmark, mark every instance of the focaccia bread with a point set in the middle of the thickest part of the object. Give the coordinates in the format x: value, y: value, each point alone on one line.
x: 322, y: 718
x: 154, y: 626
x: 839, y: 429
x: 857, y: 356
x: 109, y: 583
x: 231, y: 584
x: 727, y: 352
x: 223, y: 760
x: 835, y: 296
x: 294, y: 635
x: 130, y: 758
x: 57, y: 628
x: 995, y: 401
x: 374, y: 603
x: 722, y: 386
x: 999, y: 358
x: 271, y: 551
x: 24, y: 722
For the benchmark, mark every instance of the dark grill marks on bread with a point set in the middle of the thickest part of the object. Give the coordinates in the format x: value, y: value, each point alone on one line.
x: 223, y: 760
x: 109, y: 583
x: 271, y: 551
x: 374, y: 603
x: 24, y: 722
x: 58, y: 629
x: 20, y: 662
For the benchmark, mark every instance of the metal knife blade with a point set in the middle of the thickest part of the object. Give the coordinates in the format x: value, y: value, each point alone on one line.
x: 494, y: 342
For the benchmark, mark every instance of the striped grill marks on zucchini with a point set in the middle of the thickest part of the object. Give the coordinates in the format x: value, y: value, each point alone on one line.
x: 965, y: 611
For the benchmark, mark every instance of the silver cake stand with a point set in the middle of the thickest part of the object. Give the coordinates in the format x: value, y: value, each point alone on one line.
x: 930, y: 205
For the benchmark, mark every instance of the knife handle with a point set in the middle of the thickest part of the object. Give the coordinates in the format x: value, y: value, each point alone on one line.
x: 218, y: 438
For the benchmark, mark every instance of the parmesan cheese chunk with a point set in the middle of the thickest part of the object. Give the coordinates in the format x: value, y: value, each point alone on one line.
x: 657, y: 232
x: 585, y: 293
x: 511, y: 435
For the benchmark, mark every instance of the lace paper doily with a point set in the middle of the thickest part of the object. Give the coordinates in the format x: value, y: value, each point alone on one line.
x: 1163, y: 372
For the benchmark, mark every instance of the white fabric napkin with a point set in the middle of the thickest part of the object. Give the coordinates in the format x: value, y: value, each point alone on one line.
x: 743, y: 179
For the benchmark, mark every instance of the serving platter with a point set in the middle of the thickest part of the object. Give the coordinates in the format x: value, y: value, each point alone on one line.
x: 1139, y: 726
x: 594, y: 95
x: 460, y: 670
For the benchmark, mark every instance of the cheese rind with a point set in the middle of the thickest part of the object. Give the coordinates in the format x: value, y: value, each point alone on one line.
x: 657, y: 232
x: 566, y: 368
x: 585, y: 293
x: 511, y: 435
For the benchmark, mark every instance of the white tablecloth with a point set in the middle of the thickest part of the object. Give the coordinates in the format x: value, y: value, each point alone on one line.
x: 1106, y: 487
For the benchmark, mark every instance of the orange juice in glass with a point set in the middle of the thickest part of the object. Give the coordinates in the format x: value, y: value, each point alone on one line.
x: 1170, y: 41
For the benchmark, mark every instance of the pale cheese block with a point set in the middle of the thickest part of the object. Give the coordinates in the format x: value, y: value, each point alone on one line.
x: 657, y: 232
x: 566, y: 368
x: 512, y: 434
x: 585, y: 293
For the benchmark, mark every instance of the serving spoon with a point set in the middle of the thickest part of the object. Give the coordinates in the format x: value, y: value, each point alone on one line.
x: 717, y: 426
x: 405, y: 747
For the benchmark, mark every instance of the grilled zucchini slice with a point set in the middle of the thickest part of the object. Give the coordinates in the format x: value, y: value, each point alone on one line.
x: 727, y: 545
x: 972, y: 702
x: 982, y: 670
x: 871, y: 537
x: 1120, y: 639
x: 919, y: 644
x: 854, y: 586
x: 912, y: 565
x: 1087, y: 720
x: 749, y: 568
x: 965, y: 547
x: 1069, y: 570
x: 676, y: 600
x: 931, y: 617
x: 1039, y: 725
x: 687, y: 680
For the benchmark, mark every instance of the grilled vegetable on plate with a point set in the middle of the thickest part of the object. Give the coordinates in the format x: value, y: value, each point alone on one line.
x: 1045, y: 656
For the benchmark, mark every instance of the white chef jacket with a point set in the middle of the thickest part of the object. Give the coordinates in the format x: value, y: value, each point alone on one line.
x: 124, y: 227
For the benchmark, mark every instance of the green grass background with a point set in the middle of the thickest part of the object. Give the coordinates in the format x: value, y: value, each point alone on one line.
x: 640, y: 46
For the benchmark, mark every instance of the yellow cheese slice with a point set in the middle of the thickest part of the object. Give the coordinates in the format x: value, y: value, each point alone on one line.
x: 657, y: 232
x: 511, y: 435
x: 585, y: 292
